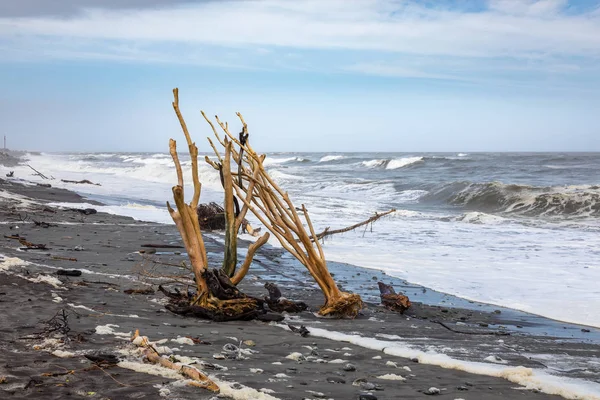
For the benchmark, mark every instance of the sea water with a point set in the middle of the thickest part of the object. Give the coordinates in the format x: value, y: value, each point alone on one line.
x: 520, y: 230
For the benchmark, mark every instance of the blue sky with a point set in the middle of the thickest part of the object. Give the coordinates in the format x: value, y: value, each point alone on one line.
x: 372, y: 75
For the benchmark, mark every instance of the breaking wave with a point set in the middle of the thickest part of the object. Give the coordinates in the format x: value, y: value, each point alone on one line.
x: 331, y: 158
x: 496, y: 197
x: 392, y: 163
x: 277, y: 161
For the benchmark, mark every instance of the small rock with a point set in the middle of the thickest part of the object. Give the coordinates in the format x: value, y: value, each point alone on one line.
x: 462, y: 388
x: 349, y: 367
x: 367, y: 396
x: 367, y: 386
x: 497, y: 312
x: 335, y: 379
x: 249, y: 343
x: 318, y: 395
x: 359, y: 381
x: 585, y: 330
x: 415, y: 360
x: 432, y: 391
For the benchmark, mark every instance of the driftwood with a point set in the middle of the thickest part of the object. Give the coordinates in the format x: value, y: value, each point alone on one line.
x: 31, y: 246
x: 84, y: 211
x: 216, y: 296
x: 68, y: 272
x: 38, y: 172
x: 276, y: 302
x: 84, y: 181
x: 211, y: 216
x: 198, y: 378
x: 102, y: 359
x: 64, y: 258
x: 391, y: 300
x: 302, y: 330
x: 139, y: 291
x: 328, y: 232
x: 43, y: 224
x: 272, y: 206
x: 162, y: 246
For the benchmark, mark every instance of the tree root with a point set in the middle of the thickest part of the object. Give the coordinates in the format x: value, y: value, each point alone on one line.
x: 346, y: 305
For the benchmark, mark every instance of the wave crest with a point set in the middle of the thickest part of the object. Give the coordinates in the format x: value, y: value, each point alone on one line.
x: 331, y: 158
x: 583, y: 200
x: 392, y: 163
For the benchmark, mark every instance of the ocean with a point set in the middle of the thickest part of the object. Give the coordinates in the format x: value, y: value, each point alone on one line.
x: 519, y: 230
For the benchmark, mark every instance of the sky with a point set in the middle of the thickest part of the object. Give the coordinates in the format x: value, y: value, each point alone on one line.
x: 314, y: 75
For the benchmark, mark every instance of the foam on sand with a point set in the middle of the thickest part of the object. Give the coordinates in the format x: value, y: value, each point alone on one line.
x: 50, y: 280
x: 391, y: 377
x: 569, y: 388
x: 7, y: 263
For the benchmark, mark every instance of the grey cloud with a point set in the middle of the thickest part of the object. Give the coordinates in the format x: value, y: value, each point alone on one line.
x: 66, y: 8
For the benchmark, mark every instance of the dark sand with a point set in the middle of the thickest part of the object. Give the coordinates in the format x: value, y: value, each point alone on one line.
x: 106, y: 248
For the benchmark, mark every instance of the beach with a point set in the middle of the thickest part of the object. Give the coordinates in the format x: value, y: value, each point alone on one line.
x: 442, y: 346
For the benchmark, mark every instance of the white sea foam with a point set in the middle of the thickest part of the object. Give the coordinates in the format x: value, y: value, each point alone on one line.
x: 374, y: 163
x: 7, y: 263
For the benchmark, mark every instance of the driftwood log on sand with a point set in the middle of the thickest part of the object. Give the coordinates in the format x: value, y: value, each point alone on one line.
x: 197, y: 377
x: 391, y: 300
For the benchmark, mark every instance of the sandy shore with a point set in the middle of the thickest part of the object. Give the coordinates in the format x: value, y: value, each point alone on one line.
x: 465, y: 350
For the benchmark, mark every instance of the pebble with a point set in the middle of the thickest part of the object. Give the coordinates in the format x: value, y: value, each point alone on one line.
x: 462, y: 388
x: 335, y: 379
x: 432, y: 391
x: 367, y: 386
x: 349, y: 367
x: 367, y: 396
x: 585, y: 330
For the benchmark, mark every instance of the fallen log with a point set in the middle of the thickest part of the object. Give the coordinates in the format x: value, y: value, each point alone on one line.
x: 200, y: 379
x: 391, y: 300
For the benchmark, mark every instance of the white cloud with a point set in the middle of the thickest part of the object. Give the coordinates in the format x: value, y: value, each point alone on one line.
x: 508, y: 29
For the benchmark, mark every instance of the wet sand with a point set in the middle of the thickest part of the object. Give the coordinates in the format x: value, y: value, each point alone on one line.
x: 106, y: 248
